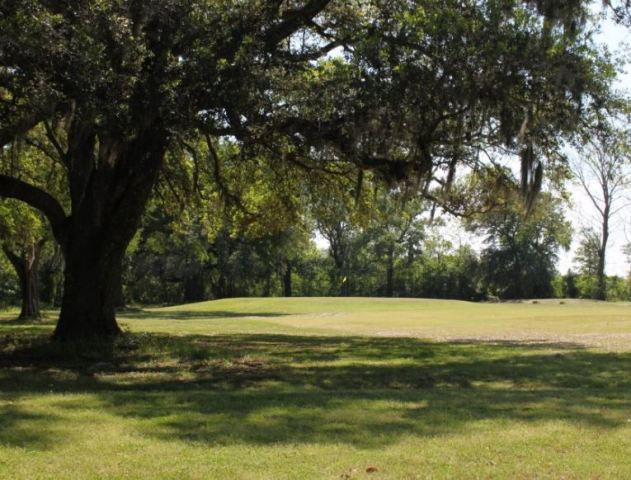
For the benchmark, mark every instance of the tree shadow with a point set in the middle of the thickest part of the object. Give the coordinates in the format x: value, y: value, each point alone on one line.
x: 364, y: 391
x: 24, y: 429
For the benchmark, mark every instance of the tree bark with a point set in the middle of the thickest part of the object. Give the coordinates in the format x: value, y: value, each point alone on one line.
x: 287, y: 287
x: 107, y: 203
x: 51, y: 278
x: 119, y: 302
x: 221, y: 289
x: 88, y: 307
x: 390, y: 273
x: 601, y: 293
x: 267, y: 284
x: 92, y: 278
x: 194, y: 288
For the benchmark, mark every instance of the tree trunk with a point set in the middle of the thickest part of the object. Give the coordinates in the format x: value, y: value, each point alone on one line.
x: 88, y: 307
x: 220, y: 288
x: 119, y: 301
x: 194, y: 288
x: 601, y: 293
x: 267, y: 284
x: 51, y: 278
x: 92, y: 282
x: 390, y: 273
x: 26, y: 268
x: 30, y: 296
x: 287, y: 281
x: 108, y: 198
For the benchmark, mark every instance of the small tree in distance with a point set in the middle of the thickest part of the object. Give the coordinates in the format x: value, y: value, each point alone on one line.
x: 603, y: 173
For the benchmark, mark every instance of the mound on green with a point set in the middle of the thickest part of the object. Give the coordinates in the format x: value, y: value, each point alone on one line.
x: 325, y: 388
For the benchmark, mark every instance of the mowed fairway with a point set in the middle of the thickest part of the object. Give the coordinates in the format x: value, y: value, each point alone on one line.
x: 325, y: 388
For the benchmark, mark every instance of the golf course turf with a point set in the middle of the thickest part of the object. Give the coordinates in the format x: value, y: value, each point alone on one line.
x: 324, y: 388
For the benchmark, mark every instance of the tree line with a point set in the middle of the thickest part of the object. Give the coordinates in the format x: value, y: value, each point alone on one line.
x: 333, y: 241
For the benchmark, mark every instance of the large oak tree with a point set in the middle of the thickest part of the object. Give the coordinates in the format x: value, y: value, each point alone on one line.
x: 409, y: 89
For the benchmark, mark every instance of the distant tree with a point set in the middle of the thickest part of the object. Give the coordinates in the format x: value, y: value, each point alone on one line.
x: 603, y: 172
x: 208, y: 234
x: 395, y: 224
x: 8, y: 283
x: 51, y: 274
x: 618, y: 289
x: 340, y: 210
x: 23, y: 236
x: 343, y: 238
x: 311, y: 275
x: 24, y: 231
x: 519, y: 259
x: 570, y: 288
x: 442, y: 271
x: 587, y: 256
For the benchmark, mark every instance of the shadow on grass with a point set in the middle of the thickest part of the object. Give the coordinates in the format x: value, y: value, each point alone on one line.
x: 48, y: 317
x: 23, y: 429
x: 268, y: 389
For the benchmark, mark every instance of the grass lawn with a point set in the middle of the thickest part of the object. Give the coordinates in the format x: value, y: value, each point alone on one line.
x: 325, y: 388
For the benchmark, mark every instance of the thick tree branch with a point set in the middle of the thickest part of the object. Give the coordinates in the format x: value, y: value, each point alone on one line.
x: 224, y: 190
x: 52, y: 137
x: 314, y: 54
x: 9, y: 132
x: 13, y: 188
x: 15, y: 260
x: 292, y: 21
